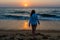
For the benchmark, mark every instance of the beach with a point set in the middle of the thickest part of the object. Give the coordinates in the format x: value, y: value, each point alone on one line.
x: 27, y: 35
x: 19, y: 30
x: 20, y: 18
x: 14, y: 24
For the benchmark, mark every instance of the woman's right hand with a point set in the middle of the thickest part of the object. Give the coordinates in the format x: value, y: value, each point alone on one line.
x: 38, y: 22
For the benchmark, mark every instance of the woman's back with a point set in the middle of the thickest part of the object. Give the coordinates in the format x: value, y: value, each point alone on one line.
x: 34, y: 19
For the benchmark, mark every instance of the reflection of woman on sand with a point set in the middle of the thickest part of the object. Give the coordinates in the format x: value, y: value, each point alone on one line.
x: 33, y: 21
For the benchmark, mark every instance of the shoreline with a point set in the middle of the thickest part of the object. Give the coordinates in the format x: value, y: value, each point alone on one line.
x: 48, y: 31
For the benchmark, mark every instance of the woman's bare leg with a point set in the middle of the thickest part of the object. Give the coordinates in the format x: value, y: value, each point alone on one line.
x: 33, y: 30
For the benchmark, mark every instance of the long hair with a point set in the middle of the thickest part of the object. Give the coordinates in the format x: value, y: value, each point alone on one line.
x: 32, y: 12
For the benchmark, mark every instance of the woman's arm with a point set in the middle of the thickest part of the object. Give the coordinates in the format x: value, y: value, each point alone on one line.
x: 38, y: 22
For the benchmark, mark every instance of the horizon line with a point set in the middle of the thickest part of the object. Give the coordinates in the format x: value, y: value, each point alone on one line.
x: 34, y: 7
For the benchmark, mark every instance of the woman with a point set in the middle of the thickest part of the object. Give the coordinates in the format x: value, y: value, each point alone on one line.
x: 33, y: 21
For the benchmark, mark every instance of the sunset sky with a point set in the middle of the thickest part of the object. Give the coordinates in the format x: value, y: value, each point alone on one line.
x: 29, y: 3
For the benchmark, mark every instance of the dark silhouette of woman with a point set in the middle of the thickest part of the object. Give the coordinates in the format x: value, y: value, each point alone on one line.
x: 33, y: 21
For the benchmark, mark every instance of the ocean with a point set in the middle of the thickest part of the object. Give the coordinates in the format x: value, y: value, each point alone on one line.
x: 10, y: 13
x: 16, y: 17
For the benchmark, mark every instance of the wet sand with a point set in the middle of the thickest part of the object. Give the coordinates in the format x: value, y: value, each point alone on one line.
x: 23, y: 24
x: 27, y: 35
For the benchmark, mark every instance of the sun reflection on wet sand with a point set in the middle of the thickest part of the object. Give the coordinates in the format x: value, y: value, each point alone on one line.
x: 25, y: 26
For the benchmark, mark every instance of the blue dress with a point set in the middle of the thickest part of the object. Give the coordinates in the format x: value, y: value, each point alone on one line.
x: 33, y: 19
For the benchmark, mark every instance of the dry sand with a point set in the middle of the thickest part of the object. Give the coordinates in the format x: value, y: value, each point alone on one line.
x: 27, y: 35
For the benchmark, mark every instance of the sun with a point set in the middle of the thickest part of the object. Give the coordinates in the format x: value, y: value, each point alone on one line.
x: 25, y: 5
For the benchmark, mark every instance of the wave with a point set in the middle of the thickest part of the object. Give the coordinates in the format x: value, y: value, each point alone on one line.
x: 15, y: 17
x: 49, y: 15
x: 23, y: 12
x: 41, y: 17
x: 56, y: 11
